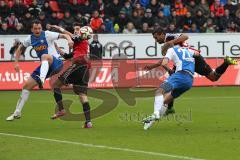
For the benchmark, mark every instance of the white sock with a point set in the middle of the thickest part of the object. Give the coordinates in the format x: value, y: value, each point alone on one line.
x: 44, y: 70
x: 158, y: 103
x: 159, y: 108
x: 21, y: 101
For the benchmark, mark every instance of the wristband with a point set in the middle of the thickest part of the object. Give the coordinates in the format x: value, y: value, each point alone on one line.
x: 62, y: 30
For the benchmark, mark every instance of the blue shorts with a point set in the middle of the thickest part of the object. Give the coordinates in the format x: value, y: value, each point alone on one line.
x: 55, y: 67
x: 178, y: 83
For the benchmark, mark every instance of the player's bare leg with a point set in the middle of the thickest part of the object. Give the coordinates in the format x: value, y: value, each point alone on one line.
x: 29, y: 85
x: 46, y: 61
x: 58, y: 98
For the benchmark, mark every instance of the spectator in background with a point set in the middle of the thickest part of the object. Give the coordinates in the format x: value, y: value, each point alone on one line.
x: 64, y: 5
x: 237, y: 18
x: 96, y: 21
x: 113, y: 9
x: 34, y: 9
x: 165, y: 9
x: 215, y: 21
x: 162, y: 20
x: 166, y: 2
x: 4, y: 29
x: 86, y: 8
x: 16, y: 44
x: 145, y: 28
x: 130, y: 29
x: 139, y: 10
x: 26, y: 22
x: 47, y: 10
x: 67, y: 21
x: 172, y: 28
x: 116, y: 28
x: 80, y: 19
x: 210, y: 26
x: 102, y: 29
x: 39, y: 2
x: 232, y: 27
x: 19, y: 29
x: 217, y: 8
x: 224, y: 20
x: 109, y: 25
x: 4, y: 10
x: 96, y: 49
x: 136, y: 19
x: 12, y: 21
x: 176, y: 20
x: 53, y: 20
x: 193, y: 29
x: 43, y: 20
x: 148, y: 18
x: 127, y: 8
x: 187, y: 22
x: 19, y: 8
x: 204, y: 7
x: 200, y: 21
x: 180, y: 8
x: 232, y: 8
x: 121, y: 20
x: 75, y: 8
x: 87, y: 17
x: 155, y: 26
x: 144, y: 3
x: 154, y: 6
x: 100, y: 7
x: 192, y: 7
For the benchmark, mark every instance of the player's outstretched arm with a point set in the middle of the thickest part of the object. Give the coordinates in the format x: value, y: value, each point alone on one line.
x: 68, y: 38
x: 61, y: 30
x: 62, y: 53
x: 17, y: 56
x: 181, y: 39
x: 163, y: 62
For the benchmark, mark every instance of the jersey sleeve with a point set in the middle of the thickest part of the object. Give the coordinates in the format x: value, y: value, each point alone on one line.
x: 170, y: 54
x: 51, y: 36
x: 27, y: 42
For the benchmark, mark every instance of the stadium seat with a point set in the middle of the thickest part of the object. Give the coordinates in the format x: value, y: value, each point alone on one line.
x: 54, y: 6
x: 10, y: 4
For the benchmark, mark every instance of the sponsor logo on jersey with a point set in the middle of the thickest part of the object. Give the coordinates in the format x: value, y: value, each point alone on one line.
x: 40, y: 48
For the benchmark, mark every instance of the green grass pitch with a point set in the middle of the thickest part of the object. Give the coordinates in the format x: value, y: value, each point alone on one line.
x: 206, y: 126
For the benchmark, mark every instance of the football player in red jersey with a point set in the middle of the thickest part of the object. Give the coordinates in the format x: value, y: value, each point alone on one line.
x: 78, y: 73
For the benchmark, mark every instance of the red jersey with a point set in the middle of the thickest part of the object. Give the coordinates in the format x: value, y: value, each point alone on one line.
x: 80, y: 52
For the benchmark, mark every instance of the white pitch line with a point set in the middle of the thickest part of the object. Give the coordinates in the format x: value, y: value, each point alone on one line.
x: 103, y: 147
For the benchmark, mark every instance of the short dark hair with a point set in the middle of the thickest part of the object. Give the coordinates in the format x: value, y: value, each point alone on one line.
x: 35, y: 21
x: 77, y: 24
x: 158, y: 30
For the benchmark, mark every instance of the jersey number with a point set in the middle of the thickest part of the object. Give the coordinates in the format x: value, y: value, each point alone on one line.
x: 186, y: 55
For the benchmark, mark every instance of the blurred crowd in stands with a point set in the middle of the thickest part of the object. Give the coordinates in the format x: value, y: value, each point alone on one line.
x: 122, y: 16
